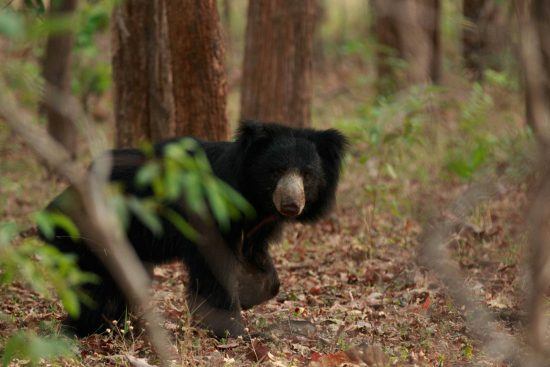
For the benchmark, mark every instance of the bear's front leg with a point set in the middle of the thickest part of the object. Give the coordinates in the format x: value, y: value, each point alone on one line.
x: 212, y: 305
x: 220, y: 321
x: 258, y: 278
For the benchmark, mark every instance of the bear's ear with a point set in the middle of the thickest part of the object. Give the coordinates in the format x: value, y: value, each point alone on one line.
x: 250, y: 130
x: 250, y: 133
x: 331, y: 145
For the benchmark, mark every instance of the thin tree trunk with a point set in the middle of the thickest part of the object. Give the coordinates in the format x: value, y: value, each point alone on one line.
x: 56, y: 69
x: 534, y: 24
x: 420, y: 40
x: 484, y: 36
x: 199, y: 80
x: 408, y: 30
x: 161, y: 99
x: 277, y: 70
x: 535, y: 46
x: 227, y: 13
x: 319, y: 53
x: 141, y: 73
x: 388, y: 47
x: 436, y: 66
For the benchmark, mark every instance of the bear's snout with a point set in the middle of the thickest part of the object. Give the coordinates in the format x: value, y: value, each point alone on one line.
x: 289, y: 197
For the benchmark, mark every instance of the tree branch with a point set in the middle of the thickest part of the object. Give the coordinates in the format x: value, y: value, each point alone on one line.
x: 97, y: 221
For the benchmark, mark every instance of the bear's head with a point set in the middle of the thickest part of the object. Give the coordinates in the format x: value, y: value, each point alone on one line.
x: 290, y: 172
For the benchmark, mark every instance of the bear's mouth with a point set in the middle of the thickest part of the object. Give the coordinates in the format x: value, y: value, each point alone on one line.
x: 289, y: 196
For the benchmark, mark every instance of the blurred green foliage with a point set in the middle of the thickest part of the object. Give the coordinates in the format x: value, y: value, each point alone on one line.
x: 32, y: 348
x: 407, y: 137
x: 27, y: 28
x: 91, y: 73
x: 183, y: 171
x: 43, y: 268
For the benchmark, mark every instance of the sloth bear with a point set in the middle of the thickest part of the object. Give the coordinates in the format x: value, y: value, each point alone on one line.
x: 286, y: 174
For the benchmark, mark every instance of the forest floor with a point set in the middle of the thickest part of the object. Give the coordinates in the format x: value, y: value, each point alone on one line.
x: 352, y: 289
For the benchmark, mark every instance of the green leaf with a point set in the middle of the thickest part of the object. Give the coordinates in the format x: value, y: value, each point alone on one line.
x: 147, y: 174
x: 119, y: 203
x: 172, y: 182
x: 460, y: 168
x: 174, y: 151
x: 26, y: 345
x: 391, y: 171
x: 217, y: 204
x: 70, y: 302
x: 47, y: 221
x: 11, y: 24
x: 193, y: 193
x: 145, y: 214
x: 180, y: 223
x: 16, y: 345
x: 45, y: 224
x: 7, y: 232
x: 235, y: 198
x: 46, y: 348
x: 65, y: 223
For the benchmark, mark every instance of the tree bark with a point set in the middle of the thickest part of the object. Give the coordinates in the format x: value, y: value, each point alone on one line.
x: 161, y: 99
x: 277, y: 70
x: 319, y: 53
x: 388, y: 49
x: 420, y: 40
x: 199, y: 79
x: 535, y: 46
x: 484, y: 36
x: 408, y: 30
x: 144, y: 105
x: 534, y: 23
x: 227, y: 13
x: 56, y: 69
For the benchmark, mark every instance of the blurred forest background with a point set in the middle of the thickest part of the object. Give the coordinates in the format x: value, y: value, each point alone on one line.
x: 437, y: 252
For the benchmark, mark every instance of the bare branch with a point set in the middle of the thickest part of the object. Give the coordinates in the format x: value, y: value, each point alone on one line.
x: 96, y: 219
x: 434, y: 254
x: 533, y: 28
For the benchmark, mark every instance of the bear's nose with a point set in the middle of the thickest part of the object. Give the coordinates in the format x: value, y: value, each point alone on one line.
x: 289, y: 195
x: 290, y: 209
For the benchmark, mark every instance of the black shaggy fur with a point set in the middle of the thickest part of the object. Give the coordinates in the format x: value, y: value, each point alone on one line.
x: 252, y: 164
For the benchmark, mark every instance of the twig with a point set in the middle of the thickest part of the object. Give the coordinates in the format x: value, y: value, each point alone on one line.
x: 536, y: 77
x: 93, y: 215
x: 434, y: 254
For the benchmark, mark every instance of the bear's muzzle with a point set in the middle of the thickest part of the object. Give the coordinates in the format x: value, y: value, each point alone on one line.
x: 289, y: 197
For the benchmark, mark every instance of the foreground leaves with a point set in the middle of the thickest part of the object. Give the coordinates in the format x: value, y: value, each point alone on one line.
x: 26, y: 345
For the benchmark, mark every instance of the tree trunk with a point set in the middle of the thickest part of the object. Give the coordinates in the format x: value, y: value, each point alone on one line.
x: 197, y: 52
x: 277, y: 70
x: 56, y: 67
x: 408, y: 30
x: 436, y: 65
x: 534, y: 24
x: 388, y: 49
x: 144, y: 106
x: 227, y: 13
x: 420, y: 40
x: 484, y: 36
x: 319, y: 53
x: 535, y: 46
